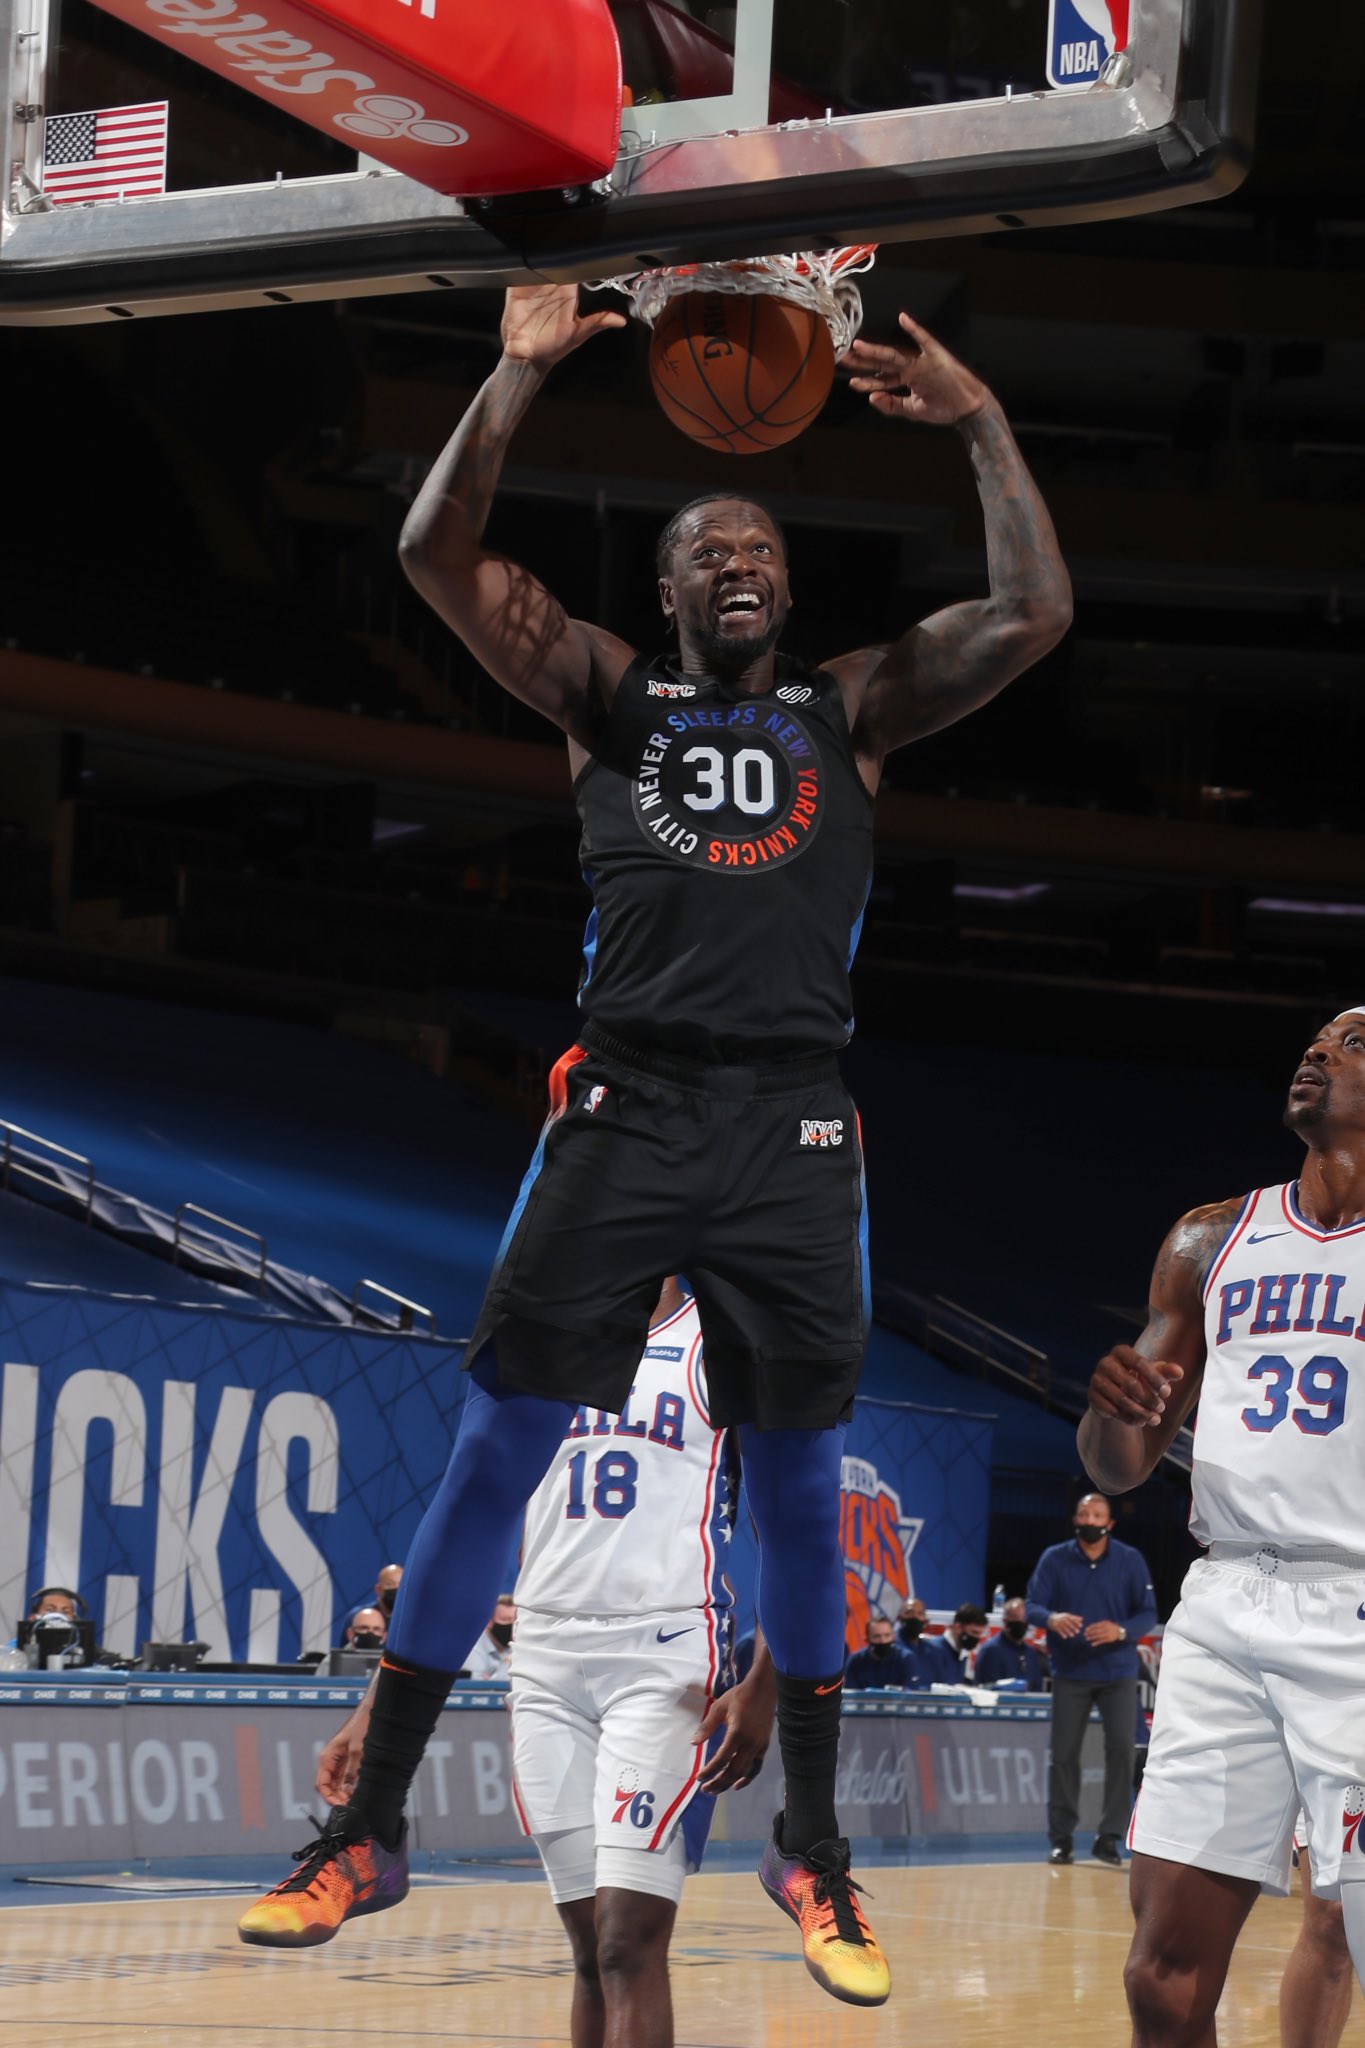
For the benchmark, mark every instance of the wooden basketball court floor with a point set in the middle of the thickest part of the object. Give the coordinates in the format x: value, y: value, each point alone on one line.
x: 996, y: 1954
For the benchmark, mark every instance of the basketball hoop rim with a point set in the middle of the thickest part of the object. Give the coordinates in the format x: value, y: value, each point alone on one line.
x: 820, y: 280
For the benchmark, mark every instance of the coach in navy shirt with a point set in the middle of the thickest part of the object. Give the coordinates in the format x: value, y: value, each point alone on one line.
x: 1010, y: 1654
x: 884, y: 1663
x: 1094, y: 1597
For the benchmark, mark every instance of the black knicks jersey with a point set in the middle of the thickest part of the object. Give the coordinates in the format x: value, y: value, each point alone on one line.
x: 727, y: 842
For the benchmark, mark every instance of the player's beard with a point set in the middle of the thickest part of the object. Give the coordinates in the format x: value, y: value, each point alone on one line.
x: 1305, y: 1116
x: 723, y: 656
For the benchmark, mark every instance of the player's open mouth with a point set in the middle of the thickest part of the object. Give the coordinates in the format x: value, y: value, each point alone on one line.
x: 1308, y: 1077
x: 739, y: 605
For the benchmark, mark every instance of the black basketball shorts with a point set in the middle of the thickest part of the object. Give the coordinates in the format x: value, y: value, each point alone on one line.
x: 746, y: 1180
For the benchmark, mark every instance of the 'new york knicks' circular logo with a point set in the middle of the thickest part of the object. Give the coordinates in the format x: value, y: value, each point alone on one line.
x: 731, y: 788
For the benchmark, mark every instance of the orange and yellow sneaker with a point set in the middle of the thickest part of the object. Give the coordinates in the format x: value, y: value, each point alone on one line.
x: 816, y: 1890
x: 339, y: 1877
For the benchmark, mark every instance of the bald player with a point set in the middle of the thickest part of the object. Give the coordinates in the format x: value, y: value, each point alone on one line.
x: 1257, y: 1312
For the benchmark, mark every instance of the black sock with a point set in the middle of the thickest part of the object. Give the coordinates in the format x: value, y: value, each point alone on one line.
x: 808, y: 1734
x: 407, y: 1705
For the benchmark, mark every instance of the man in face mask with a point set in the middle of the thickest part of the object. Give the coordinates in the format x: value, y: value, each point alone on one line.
x: 491, y: 1656
x: 1094, y: 1597
x: 1011, y: 1654
x: 366, y: 1629
x: 884, y: 1662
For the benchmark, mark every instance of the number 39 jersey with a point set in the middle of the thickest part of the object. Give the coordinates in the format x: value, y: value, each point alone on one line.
x: 727, y: 842
x: 1279, y: 1442
x: 635, y: 1513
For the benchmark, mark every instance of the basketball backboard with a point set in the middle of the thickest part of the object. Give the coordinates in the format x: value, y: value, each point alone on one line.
x: 751, y: 126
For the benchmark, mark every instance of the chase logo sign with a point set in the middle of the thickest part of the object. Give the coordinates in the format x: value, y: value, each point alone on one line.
x: 1081, y: 36
x: 877, y: 1538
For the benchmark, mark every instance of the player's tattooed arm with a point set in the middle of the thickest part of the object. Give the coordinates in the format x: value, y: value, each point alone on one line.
x: 521, y: 634
x: 959, y: 658
x: 1141, y: 1394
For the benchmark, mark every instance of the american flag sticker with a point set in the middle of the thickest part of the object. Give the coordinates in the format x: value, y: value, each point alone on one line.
x: 117, y: 153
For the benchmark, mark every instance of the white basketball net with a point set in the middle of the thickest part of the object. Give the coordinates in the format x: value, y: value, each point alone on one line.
x: 822, y: 282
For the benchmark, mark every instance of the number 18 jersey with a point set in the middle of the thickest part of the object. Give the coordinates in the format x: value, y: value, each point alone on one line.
x: 635, y: 1513
x: 1279, y: 1441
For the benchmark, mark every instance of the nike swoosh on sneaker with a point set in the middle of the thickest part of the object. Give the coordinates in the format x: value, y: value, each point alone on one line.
x: 1260, y: 1236
x: 660, y: 1637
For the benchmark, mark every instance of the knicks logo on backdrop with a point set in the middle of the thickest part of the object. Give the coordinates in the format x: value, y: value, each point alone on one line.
x: 878, y: 1538
x: 1081, y: 36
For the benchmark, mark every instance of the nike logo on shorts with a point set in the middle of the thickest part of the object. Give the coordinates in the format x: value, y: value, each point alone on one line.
x: 1360, y: 1611
x: 1260, y: 1236
x: 672, y: 1637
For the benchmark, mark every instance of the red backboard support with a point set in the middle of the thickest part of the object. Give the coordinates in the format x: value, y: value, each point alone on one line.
x: 464, y: 96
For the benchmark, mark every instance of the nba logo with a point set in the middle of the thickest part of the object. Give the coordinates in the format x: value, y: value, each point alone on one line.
x: 1081, y: 36
x: 595, y: 1097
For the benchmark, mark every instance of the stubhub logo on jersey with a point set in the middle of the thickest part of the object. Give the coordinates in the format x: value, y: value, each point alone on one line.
x: 731, y: 788
x: 1081, y: 36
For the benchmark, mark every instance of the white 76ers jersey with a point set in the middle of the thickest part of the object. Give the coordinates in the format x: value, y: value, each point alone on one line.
x: 635, y: 1513
x: 1279, y: 1441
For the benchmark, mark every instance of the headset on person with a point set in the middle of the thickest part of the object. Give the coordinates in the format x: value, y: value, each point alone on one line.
x: 67, y: 1592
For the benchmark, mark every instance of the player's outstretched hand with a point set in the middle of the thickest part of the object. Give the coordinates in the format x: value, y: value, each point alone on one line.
x: 746, y: 1715
x: 919, y: 382
x: 1126, y: 1387
x: 541, y: 323
x: 339, y: 1763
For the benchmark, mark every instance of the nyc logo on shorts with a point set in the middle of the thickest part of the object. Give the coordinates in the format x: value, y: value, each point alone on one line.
x: 1081, y: 37
x: 632, y: 1800
x: 822, y: 1131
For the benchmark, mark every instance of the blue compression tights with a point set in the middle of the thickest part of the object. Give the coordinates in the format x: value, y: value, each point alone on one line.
x: 791, y: 1479
x: 456, y: 1565
x: 459, y: 1557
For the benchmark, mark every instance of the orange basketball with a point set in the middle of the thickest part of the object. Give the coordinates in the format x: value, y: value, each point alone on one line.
x: 740, y: 373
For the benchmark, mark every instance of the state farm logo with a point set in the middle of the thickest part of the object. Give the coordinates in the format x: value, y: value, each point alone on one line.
x: 280, y: 61
x: 670, y: 689
x: 383, y: 116
x: 822, y: 1131
x: 795, y: 693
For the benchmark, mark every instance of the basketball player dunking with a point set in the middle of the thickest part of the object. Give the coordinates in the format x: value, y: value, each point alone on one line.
x: 700, y: 1122
x: 623, y: 1624
x: 1257, y: 1307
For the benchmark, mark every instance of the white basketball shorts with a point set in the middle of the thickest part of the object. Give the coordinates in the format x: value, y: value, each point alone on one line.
x: 1258, y: 1712
x: 605, y: 1756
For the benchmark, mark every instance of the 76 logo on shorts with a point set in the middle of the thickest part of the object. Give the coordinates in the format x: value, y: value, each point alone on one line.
x: 632, y: 1800
x: 1352, y: 1812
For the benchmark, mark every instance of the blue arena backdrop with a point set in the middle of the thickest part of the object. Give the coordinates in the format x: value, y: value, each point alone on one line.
x: 237, y: 1480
